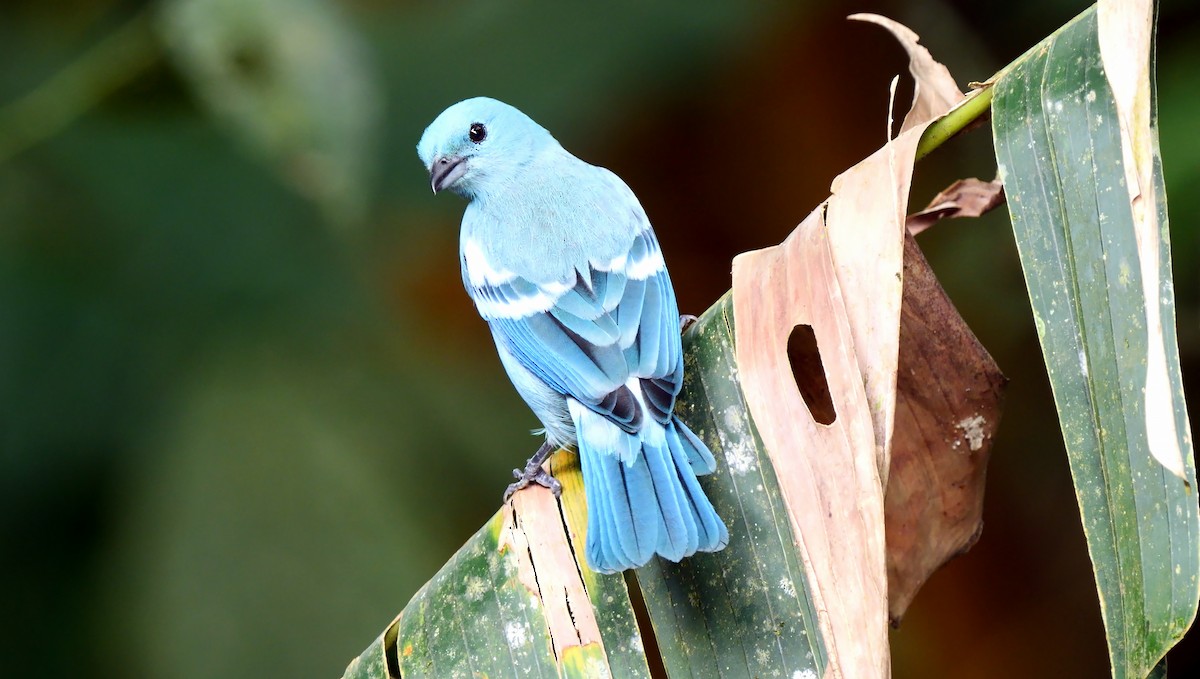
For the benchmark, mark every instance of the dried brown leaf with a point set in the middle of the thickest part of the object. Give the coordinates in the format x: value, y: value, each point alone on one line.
x: 842, y: 272
x: 950, y: 394
x: 828, y: 474
x: 964, y: 198
x: 934, y: 90
x: 865, y: 216
x: 533, y: 529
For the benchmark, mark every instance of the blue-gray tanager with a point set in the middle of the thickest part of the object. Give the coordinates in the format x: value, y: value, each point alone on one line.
x: 561, y: 261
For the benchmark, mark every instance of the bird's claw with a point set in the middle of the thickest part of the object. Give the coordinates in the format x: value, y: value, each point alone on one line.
x: 535, y: 474
x: 686, y: 320
x: 541, y: 477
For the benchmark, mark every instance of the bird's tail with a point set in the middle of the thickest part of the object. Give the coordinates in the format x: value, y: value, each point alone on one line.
x: 642, y: 494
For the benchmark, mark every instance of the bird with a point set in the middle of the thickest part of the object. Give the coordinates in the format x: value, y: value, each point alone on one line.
x: 560, y: 259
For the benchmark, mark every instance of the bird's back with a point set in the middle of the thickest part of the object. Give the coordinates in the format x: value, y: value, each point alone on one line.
x: 556, y: 217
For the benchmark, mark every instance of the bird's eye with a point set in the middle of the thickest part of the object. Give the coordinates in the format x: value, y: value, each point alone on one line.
x: 477, y: 132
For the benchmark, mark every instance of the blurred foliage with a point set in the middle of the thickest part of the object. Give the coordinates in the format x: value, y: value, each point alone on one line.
x: 225, y: 421
x: 290, y: 78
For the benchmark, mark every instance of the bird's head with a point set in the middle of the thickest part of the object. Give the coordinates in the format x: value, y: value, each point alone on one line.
x: 477, y: 143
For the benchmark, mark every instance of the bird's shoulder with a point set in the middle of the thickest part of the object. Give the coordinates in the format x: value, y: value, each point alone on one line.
x: 564, y: 218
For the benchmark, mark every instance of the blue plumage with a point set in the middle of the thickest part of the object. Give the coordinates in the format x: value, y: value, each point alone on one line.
x: 561, y: 261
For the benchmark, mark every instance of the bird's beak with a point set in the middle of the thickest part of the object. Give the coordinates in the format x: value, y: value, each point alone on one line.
x: 445, y: 170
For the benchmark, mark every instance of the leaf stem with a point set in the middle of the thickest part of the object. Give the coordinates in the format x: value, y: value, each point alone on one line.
x: 100, y: 70
x: 978, y: 103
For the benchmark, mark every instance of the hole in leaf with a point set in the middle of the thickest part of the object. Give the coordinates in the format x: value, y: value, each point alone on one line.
x: 809, y: 373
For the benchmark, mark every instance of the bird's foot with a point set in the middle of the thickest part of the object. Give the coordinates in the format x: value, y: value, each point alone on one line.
x: 541, y: 477
x: 535, y: 474
x: 686, y: 320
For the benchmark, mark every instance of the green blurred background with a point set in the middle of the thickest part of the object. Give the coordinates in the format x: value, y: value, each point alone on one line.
x: 246, y: 409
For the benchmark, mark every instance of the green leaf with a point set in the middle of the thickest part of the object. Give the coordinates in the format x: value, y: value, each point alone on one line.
x: 474, y: 614
x: 743, y: 611
x: 1059, y: 147
x: 491, y: 610
x: 512, y: 602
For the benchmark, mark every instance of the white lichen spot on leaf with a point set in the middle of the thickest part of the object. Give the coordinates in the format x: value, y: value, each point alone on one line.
x: 516, y: 633
x: 475, y: 588
x: 740, y: 458
x: 597, y: 668
x: 762, y: 656
x: 972, y: 429
x: 787, y: 587
x: 733, y: 419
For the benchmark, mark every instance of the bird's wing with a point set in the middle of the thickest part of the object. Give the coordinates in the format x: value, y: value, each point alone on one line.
x: 588, y: 339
